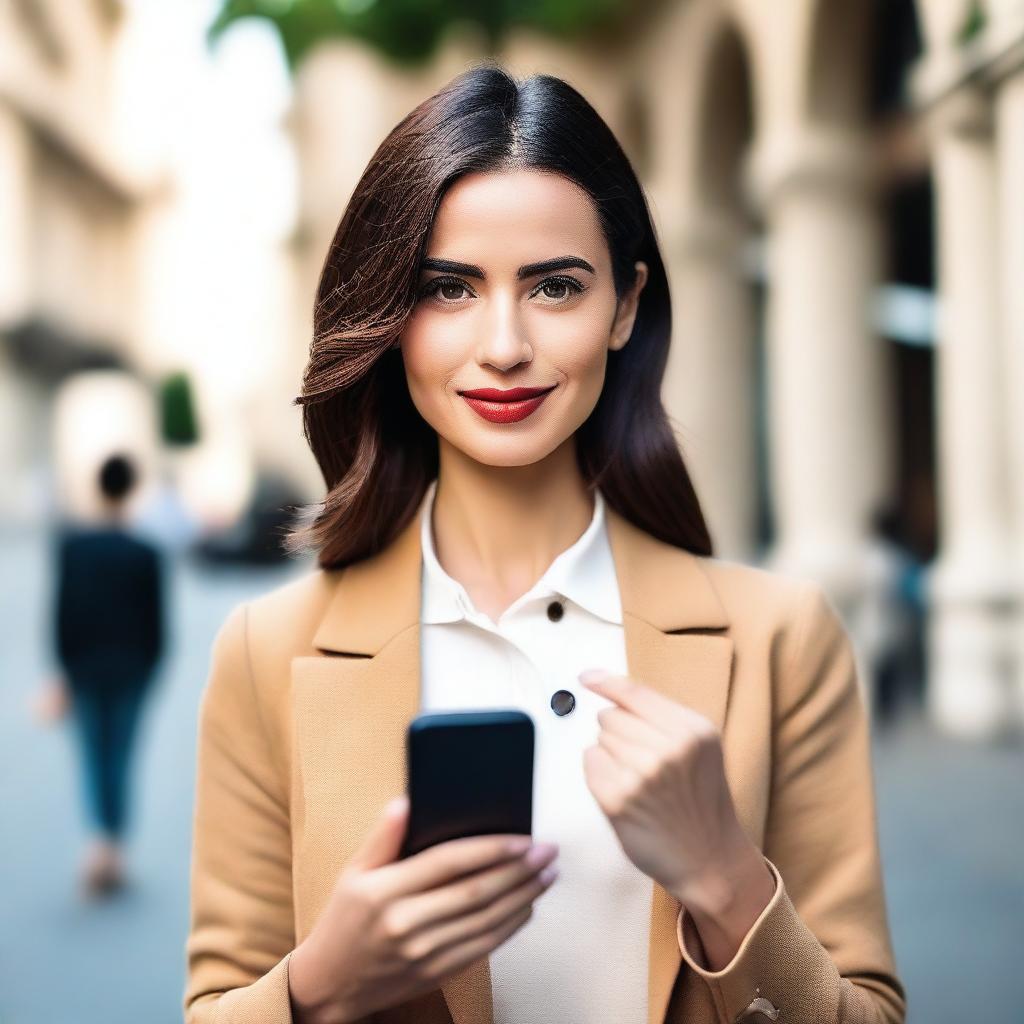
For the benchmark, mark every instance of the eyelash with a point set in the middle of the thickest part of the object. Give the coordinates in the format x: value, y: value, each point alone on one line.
x: 432, y: 287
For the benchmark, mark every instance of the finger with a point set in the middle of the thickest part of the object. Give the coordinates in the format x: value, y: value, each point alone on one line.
x: 632, y: 727
x: 490, y: 916
x: 605, y: 776
x: 384, y: 841
x: 666, y: 715
x: 440, y: 864
x: 456, y: 957
x: 474, y: 892
x: 640, y: 760
x: 447, y: 932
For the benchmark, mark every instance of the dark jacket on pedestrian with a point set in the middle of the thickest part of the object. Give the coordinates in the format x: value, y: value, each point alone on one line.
x: 109, y: 607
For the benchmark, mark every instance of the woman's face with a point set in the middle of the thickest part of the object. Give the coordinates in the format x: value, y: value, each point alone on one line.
x: 516, y: 291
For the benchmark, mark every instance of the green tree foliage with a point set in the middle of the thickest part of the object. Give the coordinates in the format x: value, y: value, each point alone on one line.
x: 177, y: 410
x: 408, y: 31
x: 973, y: 24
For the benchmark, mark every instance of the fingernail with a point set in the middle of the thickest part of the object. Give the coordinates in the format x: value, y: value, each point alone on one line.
x: 540, y: 853
x: 593, y: 675
x: 549, y: 874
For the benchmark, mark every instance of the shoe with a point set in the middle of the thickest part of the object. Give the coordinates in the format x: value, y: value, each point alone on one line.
x: 103, y: 874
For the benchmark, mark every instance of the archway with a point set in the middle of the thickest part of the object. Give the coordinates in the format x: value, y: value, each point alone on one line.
x: 872, y: 339
x: 712, y: 387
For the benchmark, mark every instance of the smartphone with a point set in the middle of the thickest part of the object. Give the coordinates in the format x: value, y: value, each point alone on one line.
x: 469, y: 773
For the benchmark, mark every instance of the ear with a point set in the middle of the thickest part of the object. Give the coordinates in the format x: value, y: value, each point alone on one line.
x: 625, y: 315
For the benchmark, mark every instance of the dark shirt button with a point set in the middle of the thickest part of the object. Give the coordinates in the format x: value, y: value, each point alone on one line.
x: 562, y: 702
x: 555, y: 611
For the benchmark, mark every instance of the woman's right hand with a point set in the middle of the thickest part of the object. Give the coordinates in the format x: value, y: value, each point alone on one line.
x: 394, y: 929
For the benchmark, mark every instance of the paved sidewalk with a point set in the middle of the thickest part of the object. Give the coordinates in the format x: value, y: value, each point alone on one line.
x: 951, y: 818
x: 63, y: 962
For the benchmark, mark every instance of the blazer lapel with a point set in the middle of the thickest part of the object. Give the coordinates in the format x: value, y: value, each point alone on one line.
x: 353, y: 703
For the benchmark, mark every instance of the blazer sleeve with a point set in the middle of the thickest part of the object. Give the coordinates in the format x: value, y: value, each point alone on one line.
x: 241, y: 918
x: 820, y: 950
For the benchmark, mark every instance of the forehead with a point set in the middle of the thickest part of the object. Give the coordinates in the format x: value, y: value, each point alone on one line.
x: 516, y: 216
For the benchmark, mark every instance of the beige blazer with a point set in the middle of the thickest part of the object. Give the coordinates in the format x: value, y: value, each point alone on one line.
x: 301, y: 743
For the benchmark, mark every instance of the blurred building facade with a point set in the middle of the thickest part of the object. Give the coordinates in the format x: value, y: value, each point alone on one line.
x: 835, y: 187
x: 129, y: 243
x: 971, y: 100
x: 68, y: 210
x: 827, y: 180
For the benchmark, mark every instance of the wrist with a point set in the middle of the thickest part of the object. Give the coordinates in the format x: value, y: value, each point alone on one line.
x: 716, y: 892
x: 309, y: 1003
x: 725, y: 904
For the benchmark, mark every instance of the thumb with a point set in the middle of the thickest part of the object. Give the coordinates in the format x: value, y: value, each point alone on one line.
x: 384, y: 841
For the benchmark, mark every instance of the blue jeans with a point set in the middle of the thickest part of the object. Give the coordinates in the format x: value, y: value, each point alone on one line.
x: 106, y: 725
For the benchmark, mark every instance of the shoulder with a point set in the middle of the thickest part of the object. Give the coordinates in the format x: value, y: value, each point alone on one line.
x: 143, y: 549
x: 793, y: 615
x: 267, y: 631
x: 281, y: 622
x: 789, y: 625
x: 751, y: 594
x: 263, y: 633
x: 257, y: 640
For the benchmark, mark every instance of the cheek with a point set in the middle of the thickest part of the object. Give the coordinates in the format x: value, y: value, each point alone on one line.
x: 580, y: 351
x: 430, y: 358
x: 583, y: 357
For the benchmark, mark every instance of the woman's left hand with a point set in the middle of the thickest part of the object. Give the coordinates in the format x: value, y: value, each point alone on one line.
x: 658, y: 774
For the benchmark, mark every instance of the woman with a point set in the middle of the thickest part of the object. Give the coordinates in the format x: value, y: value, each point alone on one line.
x: 710, y: 799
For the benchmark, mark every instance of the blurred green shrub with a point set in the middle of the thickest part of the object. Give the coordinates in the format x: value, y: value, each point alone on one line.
x: 178, y: 424
x: 973, y: 24
x: 408, y: 31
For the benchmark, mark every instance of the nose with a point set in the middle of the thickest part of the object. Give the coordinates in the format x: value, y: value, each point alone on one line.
x: 504, y: 341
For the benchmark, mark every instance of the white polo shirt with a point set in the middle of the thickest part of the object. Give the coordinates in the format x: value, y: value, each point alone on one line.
x: 582, y: 957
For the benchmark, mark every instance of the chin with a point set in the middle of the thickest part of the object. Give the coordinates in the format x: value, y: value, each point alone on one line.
x: 522, y: 452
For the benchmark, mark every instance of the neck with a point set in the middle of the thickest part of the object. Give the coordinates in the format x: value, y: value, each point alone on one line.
x: 498, y: 528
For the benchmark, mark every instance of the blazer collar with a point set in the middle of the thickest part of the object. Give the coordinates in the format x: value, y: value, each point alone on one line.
x: 352, y: 705
x: 660, y: 584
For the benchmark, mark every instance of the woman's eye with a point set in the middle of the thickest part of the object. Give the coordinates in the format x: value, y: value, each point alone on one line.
x: 451, y: 290
x: 442, y: 287
x: 564, y: 288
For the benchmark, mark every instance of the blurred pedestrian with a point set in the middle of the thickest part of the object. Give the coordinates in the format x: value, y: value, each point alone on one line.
x: 109, y: 636
x: 891, y: 619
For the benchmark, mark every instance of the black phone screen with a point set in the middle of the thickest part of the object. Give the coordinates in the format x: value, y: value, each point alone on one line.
x: 469, y: 773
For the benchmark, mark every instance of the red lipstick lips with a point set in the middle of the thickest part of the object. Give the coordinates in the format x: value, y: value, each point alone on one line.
x: 506, y: 406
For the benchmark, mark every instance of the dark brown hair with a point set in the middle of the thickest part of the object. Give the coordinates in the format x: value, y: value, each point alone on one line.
x: 376, y: 453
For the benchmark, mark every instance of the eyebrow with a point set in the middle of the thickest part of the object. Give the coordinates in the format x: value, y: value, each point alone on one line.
x: 529, y: 270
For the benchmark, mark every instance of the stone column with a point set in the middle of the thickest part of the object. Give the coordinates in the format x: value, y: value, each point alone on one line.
x: 19, y: 413
x: 1007, y: 82
x: 971, y: 582
x: 827, y: 383
x: 15, y: 216
x: 709, y: 381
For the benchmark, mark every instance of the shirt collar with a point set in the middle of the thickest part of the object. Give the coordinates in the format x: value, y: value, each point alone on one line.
x: 583, y: 573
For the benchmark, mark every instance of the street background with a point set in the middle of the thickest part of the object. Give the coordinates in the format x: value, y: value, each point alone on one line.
x: 836, y: 188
